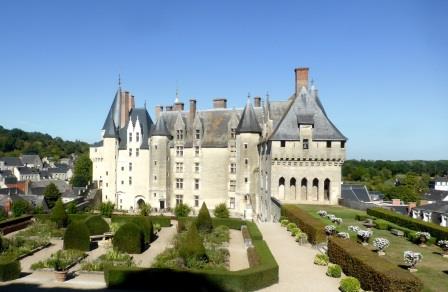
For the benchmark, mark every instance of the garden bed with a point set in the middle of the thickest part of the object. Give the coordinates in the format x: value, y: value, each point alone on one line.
x: 110, y: 259
x: 66, y: 259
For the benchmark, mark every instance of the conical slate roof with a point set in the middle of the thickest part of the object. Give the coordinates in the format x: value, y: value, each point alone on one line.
x: 113, y: 118
x: 160, y: 128
x: 248, y: 122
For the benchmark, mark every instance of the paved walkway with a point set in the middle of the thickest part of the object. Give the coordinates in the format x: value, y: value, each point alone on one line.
x: 238, y: 254
x: 297, y: 271
x: 164, y: 240
x: 25, y: 263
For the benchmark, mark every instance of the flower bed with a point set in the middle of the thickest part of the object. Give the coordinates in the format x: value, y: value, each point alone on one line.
x: 62, y: 259
x: 20, y: 246
x: 110, y: 259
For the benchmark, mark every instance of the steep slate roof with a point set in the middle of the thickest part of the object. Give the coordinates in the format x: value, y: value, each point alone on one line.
x: 435, y: 195
x: 248, y: 121
x: 441, y: 207
x: 31, y: 159
x: 306, y: 108
x: 146, y: 125
x: 112, y: 121
x: 27, y: 170
x: 355, y: 193
x: 11, y: 161
x: 160, y: 129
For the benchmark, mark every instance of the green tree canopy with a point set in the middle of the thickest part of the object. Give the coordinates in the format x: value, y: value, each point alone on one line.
x: 51, y: 194
x: 82, y: 173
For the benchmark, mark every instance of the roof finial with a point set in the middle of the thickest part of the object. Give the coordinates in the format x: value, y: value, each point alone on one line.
x: 177, y: 93
x: 145, y: 103
x: 119, y: 80
x: 248, y: 98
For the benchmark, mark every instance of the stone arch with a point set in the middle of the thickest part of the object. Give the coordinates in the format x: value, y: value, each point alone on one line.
x: 315, y: 189
x: 138, y: 202
x: 304, y: 189
x: 281, y: 188
x: 292, y: 189
x: 327, y: 184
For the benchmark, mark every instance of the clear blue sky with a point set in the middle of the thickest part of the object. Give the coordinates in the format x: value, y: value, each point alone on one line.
x: 381, y: 67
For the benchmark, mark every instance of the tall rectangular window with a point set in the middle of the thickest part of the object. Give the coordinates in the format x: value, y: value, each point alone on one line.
x: 245, y: 145
x: 130, y: 180
x: 179, y: 134
x: 246, y: 162
x: 232, y: 185
x: 179, y: 167
x: 233, y: 133
x: 136, y: 151
x: 198, y: 134
x: 342, y: 144
x: 130, y: 166
x: 179, y: 199
x: 130, y: 137
x: 130, y: 151
x: 179, y: 151
x: 137, y: 137
x: 305, y: 144
x: 328, y: 144
x: 179, y: 183
x: 196, y: 201
x: 246, y: 180
x: 282, y: 143
x: 155, y: 162
x: 196, y: 151
x: 232, y: 203
x: 196, y: 167
x: 232, y: 167
x: 196, y: 184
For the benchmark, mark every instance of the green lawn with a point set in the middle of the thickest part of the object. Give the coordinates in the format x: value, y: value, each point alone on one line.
x: 433, y: 270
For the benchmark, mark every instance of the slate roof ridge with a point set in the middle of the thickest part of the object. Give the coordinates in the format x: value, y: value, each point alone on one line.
x: 248, y: 121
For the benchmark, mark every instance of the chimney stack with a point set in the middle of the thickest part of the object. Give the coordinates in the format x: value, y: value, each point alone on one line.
x: 158, y: 109
x: 301, y: 78
x: 257, y: 101
x: 192, y: 113
x: 179, y: 106
x: 220, y: 103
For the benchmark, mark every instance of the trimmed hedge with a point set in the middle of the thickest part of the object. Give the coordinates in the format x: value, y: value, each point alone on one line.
x: 9, y: 268
x: 254, y: 278
x: 254, y: 232
x: 143, y: 222
x: 310, y: 225
x: 232, y: 223
x: 437, y: 231
x: 163, y: 221
x: 129, y: 238
x: 375, y: 273
x: 252, y: 257
x: 96, y: 225
x: 203, y: 220
x: 77, y: 237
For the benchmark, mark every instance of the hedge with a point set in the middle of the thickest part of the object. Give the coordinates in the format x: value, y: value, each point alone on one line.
x: 254, y: 232
x: 254, y: 278
x: 232, y: 223
x: 9, y: 268
x: 96, y: 225
x: 71, y: 217
x: 11, y: 225
x: 374, y: 273
x: 129, y: 238
x: 437, y: 231
x: 77, y: 237
x: 163, y: 221
x: 313, y: 227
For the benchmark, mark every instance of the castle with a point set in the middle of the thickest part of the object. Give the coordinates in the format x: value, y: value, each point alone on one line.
x: 288, y: 150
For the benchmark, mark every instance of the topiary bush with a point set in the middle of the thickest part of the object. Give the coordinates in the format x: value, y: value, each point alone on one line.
x: 107, y: 209
x: 96, y: 225
x: 349, y: 284
x: 58, y: 214
x: 192, y: 246
x: 321, y: 259
x: 129, y: 238
x: 77, y: 237
x: 334, y: 271
x: 182, y: 210
x: 204, y: 221
x: 9, y: 268
x: 221, y: 211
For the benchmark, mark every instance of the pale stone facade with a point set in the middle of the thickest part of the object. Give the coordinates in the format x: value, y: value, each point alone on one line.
x: 289, y: 150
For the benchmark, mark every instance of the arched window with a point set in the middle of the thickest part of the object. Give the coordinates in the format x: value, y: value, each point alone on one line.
x: 304, y: 189
x: 327, y: 189
x: 315, y: 189
x: 281, y: 188
x: 292, y: 189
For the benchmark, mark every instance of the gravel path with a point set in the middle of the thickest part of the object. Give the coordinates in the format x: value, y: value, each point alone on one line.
x: 25, y: 263
x: 165, y: 237
x: 297, y: 271
x: 238, y: 254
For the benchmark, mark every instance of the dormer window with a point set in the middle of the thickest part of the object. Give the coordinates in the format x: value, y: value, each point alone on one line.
x: 137, y: 137
x: 130, y: 137
x: 306, y: 144
x: 198, y: 134
x: 179, y: 134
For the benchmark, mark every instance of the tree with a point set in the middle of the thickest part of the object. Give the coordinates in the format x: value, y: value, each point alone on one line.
x: 192, y: 246
x: 204, y: 221
x: 71, y: 208
x: 221, y: 211
x: 82, y: 173
x: 107, y: 209
x: 145, y: 209
x: 182, y: 210
x: 58, y: 214
x: 21, y: 207
x: 51, y: 194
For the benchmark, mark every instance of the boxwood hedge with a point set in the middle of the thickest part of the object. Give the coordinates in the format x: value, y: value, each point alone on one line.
x: 311, y: 226
x: 129, y: 238
x: 77, y: 237
x: 375, y: 273
x: 163, y: 221
x: 263, y: 274
x: 96, y: 225
x: 437, y: 231
x: 9, y: 268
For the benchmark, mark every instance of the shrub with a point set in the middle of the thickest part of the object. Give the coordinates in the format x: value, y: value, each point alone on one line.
x: 180, y: 226
x: 58, y: 214
x: 334, y: 271
x: 291, y: 226
x: 129, y: 239
x: 313, y: 227
x: 284, y: 222
x: 349, y: 284
x: 9, y: 268
x: 204, y: 221
x: 252, y: 257
x: 71, y: 208
x: 330, y: 229
x: 435, y: 230
x: 77, y: 237
x: 107, y: 209
x: 145, y: 209
x: 375, y: 273
x: 182, y: 210
x: 381, y: 224
x: 363, y: 217
x: 321, y: 259
x: 21, y: 207
x: 294, y: 231
x: 192, y: 246
x: 411, y: 258
x: 96, y: 225
x: 221, y: 211
x: 301, y: 237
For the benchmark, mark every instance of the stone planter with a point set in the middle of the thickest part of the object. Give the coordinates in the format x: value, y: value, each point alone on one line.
x: 364, y: 243
x: 61, y: 276
x: 381, y: 253
x: 412, y: 270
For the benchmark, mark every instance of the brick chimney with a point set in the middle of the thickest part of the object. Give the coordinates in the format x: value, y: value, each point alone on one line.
x: 192, y: 112
x: 179, y: 106
x: 257, y: 101
x: 158, y: 109
x: 301, y: 78
x: 220, y: 103
x: 395, y: 202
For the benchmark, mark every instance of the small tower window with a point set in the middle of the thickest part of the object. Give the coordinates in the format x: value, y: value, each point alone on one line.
x: 137, y: 137
x: 179, y: 134
x: 179, y: 151
x: 130, y: 137
x: 196, y: 151
x: 130, y: 166
x: 282, y: 143
x: 232, y: 167
x: 328, y: 144
x: 196, y: 167
x: 246, y: 161
x: 245, y: 145
x: 196, y: 184
x: 130, y: 180
x: 130, y: 151
x: 198, y: 134
x: 136, y: 152
x: 343, y: 144
x: 196, y: 201
x: 305, y: 144
x: 233, y: 133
